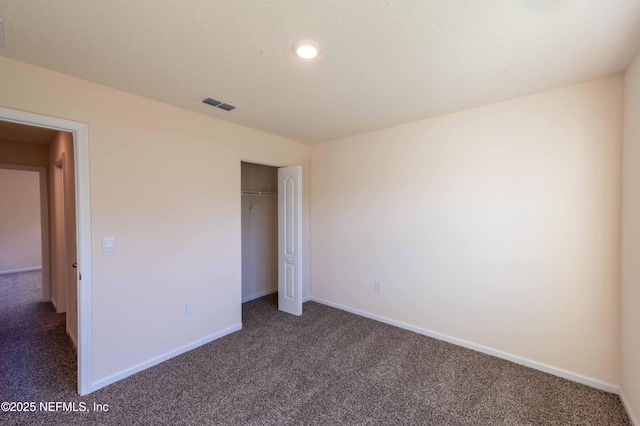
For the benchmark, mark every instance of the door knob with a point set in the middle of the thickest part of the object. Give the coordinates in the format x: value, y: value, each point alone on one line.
x: 74, y: 265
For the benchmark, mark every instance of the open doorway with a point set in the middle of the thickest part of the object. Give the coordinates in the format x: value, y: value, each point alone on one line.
x: 272, y: 234
x: 39, y: 237
x: 259, y: 230
x: 37, y: 349
x: 57, y: 148
x: 20, y: 222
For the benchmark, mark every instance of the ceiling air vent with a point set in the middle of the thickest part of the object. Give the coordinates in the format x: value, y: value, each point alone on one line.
x: 218, y: 104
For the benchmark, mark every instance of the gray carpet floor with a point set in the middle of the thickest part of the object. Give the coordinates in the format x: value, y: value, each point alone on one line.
x: 327, y: 367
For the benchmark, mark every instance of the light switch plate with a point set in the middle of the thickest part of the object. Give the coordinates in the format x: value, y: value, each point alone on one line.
x: 108, y: 244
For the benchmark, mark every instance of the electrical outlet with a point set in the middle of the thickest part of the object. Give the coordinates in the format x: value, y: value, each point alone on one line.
x: 377, y: 286
x: 186, y: 308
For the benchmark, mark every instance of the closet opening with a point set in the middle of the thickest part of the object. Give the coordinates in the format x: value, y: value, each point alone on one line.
x: 271, y: 223
x: 259, y: 186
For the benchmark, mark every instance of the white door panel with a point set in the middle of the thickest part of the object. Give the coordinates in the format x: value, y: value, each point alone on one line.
x: 290, y: 239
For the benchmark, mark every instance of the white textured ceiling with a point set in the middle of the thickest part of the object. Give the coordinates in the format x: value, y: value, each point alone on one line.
x: 384, y: 62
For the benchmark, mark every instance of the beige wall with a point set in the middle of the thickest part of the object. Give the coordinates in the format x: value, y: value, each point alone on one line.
x: 630, y: 297
x: 259, y: 231
x: 165, y: 183
x: 20, y: 239
x: 498, y: 225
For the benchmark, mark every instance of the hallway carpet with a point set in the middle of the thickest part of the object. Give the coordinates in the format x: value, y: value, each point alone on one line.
x: 37, y: 358
x: 327, y: 367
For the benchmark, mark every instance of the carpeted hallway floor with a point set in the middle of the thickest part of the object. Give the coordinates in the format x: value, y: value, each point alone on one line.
x: 36, y: 356
x: 327, y: 367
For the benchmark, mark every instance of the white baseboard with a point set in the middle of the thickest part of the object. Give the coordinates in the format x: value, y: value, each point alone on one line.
x: 74, y: 340
x: 574, y: 377
x: 15, y: 271
x: 259, y: 295
x: 53, y: 302
x: 161, y: 358
x: 265, y: 293
x: 627, y: 407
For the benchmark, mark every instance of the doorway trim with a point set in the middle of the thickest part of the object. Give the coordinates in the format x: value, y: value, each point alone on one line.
x: 80, y: 133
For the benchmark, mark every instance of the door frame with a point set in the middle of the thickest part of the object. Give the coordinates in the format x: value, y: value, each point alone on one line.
x: 80, y: 132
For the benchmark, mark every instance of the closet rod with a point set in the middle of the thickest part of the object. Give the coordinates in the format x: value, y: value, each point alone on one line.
x: 260, y: 194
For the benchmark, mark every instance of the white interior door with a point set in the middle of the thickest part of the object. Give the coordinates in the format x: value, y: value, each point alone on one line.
x: 290, y: 239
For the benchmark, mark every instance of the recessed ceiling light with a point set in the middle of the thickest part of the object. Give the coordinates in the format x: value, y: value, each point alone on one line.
x: 307, y: 49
